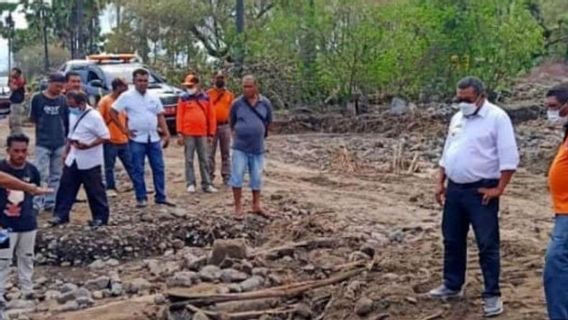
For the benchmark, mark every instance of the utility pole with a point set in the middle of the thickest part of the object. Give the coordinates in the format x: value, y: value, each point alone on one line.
x: 240, y: 20
x: 80, y: 52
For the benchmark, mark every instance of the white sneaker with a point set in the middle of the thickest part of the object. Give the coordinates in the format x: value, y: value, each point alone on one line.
x: 111, y: 193
x: 191, y: 189
x: 210, y: 189
x: 493, y: 306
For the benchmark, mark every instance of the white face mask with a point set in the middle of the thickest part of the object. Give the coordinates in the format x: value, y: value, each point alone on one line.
x: 555, y: 119
x: 467, y: 108
x: 192, y: 91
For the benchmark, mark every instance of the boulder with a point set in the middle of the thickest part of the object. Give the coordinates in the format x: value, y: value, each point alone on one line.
x: 231, y: 248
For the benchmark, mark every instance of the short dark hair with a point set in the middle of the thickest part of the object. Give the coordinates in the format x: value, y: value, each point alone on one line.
x: 117, y: 82
x: 18, y: 70
x: 17, y: 137
x: 560, y: 92
x: 56, y: 77
x: 70, y: 74
x: 140, y: 71
x: 472, y: 82
x: 77, y: 95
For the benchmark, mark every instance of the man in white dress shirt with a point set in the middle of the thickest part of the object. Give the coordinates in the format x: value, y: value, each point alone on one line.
x: 83, y: 162
x: 480, y: 156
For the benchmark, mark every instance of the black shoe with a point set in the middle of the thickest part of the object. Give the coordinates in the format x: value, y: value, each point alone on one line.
x: 96, y: 223
x: 166, y: 203
x: 57, y: 222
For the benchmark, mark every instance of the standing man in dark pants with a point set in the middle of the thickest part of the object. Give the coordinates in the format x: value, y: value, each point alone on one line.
x: 555, y: 275
x: 145, y: 114
x: 117, y: 146
x: 479, y: 159
x: 83, y: 162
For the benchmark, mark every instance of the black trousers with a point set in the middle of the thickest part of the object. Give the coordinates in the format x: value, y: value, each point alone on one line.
x: 71, y: 180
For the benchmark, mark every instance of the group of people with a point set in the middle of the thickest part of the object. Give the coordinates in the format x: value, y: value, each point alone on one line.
x: 74, y: 141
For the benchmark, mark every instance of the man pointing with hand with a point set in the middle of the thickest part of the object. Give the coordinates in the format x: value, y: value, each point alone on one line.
x: 479, y: 159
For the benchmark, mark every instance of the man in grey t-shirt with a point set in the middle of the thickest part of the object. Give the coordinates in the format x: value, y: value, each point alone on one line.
x: 250, y: 117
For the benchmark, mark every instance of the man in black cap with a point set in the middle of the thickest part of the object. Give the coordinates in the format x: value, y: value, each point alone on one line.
x: 50, y: 115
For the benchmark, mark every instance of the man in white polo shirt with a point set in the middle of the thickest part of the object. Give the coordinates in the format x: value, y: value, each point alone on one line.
x: 83, y: 162
x: 479, y: 159
x: 145, y: 115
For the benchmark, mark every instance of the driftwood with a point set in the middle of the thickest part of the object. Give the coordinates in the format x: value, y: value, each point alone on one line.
x: 284, y: 291
x: 240, y: 315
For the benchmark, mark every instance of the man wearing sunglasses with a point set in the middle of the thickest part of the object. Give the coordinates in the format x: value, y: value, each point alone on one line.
x: 479, y: 159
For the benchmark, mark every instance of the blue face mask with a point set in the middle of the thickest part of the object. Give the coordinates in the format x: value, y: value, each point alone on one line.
x: 75, y: 111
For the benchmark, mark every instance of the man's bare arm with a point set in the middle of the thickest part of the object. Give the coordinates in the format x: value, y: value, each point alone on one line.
x: 10, y: 182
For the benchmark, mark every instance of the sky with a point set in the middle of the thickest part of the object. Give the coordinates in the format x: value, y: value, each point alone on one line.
x: 20, y: 21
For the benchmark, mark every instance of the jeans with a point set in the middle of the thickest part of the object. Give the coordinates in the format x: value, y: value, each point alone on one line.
x: 241, y: 162
x: 463, y: 207
x: 16, y: 114
x: 556, y: 270
x: 153, y: 150
x: 122, y: 151
x: 92, y: 181
x: 23, y: 244
x: 49, y: 162
x: 199, y: 145
x: 223, y: 140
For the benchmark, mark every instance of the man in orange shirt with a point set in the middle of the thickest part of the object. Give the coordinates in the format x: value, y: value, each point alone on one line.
x: 221, y: 99
x: 196, y: 125
x: 556, y: 263
x: 117, y: 146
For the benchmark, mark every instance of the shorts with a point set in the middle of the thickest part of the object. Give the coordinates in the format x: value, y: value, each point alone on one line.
x: 240, y: 163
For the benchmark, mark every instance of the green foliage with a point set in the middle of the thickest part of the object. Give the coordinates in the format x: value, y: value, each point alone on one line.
x: 30, y: 58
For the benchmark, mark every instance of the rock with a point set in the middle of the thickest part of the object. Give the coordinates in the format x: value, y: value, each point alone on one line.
x: 275, y: 280
x: 194, y: 263
x: 156, y: 267
x: 399, y: 106
x: 106, y: 293
x: 116, y: 289
x: 52, y: 295
x: 263, y: 272
x: 113, y: 263
x: 160, y: 299
x: 83, y: 293
x: 232, y: 275
x: 364, y: 306
x: 178, y: 244
x: 66, y: 297
x: 69, y: 306
x: 396, y: 236
x: 179, y: 212
x: 200, y: 316
x: 303, y: 310
x: 138, y: 285
x: 369, y: 248
x: 234, y: 288
x: 182, y: 279
x: 98, y: 295
x: 85, y: 302
x: 210, y: 273
x: 98, y: 264
x: 147, y: 218
x: 40, y: 281
x: 232, y: 248
x: 246, y: 266
x: 412, y: 300
x: 14, y: 295
x: 68, y: 287
x: 358, y: 256
x: 20, y: 304
x: 99, y: 283
x: 252, y: 283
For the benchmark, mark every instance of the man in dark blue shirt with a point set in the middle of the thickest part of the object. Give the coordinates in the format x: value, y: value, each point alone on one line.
x: 50, y: 115
x: 18, y: 216
x: 250, y: 117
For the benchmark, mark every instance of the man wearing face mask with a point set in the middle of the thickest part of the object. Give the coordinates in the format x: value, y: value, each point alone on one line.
x: 196, y: 127
x: 221, y: 100
x: 556, y: 266
x: 479, y: 159
x: 83, y: 162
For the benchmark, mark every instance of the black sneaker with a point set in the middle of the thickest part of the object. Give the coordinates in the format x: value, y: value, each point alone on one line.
x: 57, y: 222
x: 166, y: 203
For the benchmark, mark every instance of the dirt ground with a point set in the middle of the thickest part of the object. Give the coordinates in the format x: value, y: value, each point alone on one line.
x: 348, y: 184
